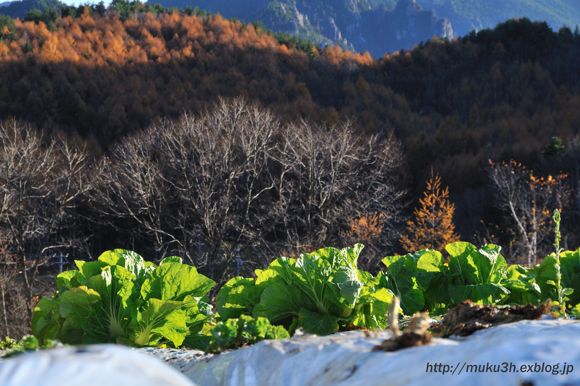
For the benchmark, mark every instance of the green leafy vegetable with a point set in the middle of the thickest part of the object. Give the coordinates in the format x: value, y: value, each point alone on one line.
x: 570, y: 266
x: 121, y: 298
x: 13, y: 347
x: 475, y: 273
x: 236, y: 332
x: 576, y: 311
x: 322, y: 292
x: 237, y: 297
x: 521, y: 282
x: 414, y: 278
x: 547, y: 277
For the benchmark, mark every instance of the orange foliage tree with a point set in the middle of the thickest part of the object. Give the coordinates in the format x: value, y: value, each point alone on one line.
x: 367, y: 228
x: 432, y: 223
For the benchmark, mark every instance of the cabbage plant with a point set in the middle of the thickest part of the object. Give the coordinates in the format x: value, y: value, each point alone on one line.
x: 321, y: 292
x: 122, y: 298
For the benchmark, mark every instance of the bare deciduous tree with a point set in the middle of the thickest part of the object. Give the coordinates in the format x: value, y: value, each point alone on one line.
x: 223, y: 191
x: 193, y: 185
x: 131, y: 194
x: 528, y: 201
x: 41, y: 183
x: 236, y: 183
x: 334, y: 176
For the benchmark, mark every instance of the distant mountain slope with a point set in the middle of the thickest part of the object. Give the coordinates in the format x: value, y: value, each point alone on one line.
x: 20, y: 8
x: 466, y: 15
x: 377, y: 26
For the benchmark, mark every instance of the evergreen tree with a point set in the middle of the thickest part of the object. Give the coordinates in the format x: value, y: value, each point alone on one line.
x: 555, y: 148
x: 6, y: 27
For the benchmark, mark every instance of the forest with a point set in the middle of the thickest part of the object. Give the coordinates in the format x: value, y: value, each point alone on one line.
x: 182, y: 133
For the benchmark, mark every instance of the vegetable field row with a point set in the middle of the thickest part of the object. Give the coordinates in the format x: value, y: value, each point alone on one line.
x: 124, y: 299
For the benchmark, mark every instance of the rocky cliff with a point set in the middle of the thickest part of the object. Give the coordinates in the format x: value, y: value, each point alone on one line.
x: 378, y: 26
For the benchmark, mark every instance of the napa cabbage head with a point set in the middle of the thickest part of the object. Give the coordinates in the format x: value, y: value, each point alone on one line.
x: 121, y: 298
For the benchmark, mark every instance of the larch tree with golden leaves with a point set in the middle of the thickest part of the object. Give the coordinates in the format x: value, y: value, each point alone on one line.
x: 432, y: 223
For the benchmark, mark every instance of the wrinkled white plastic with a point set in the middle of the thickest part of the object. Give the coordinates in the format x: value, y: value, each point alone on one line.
x: 99, y: 365
x: 347, y: 359
x: 340, y: 359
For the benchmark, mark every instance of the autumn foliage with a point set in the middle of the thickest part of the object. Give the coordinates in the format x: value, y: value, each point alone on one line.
x: 431, y: 226
x: 366, y: 228
x: 101, y: 76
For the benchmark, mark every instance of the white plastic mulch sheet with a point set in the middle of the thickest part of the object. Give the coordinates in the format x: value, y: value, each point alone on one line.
x: 545, y: 352
x: 542, y: 352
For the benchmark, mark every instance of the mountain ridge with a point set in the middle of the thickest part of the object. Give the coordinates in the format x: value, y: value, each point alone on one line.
x: 376, y: 26
x: 21, y: 8
x: 360, y: 25
x: 381, y: 26
x: 467, y: 15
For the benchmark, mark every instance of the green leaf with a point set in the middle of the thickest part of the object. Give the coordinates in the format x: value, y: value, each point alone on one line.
x: 312, y: 275
x: 110, y: 258
x: 277, y: 332
x: 476, y: 273
x: 78, y: 307
x: 413, y: 299
x: 129, y: 260
x: 570, y: 266
x: 45, y: 319
x: 225, y: 334
x: 576, y: 311
x: 90, y: 268
x: 115, y: 286
x: 522, y: 285
x: 161, y: 319
x: 171, y: 259
x: 478, y: 293
x: 461, y: 263
x: 316, y: 323
x: 545, y: 274
x: 410, y: 277
x: 69, y: 279
x: 346, y: 275
x: 175, y: 281
x: 238, y: 296
x: 265, y: 276
x: 279, y: 303
x: 78, y: 302
x: 372, y: 311
x: 429, y: 267
x: 437, y: 297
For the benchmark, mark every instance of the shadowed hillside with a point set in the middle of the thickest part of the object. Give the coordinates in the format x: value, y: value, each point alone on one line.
x: 498, y: 94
